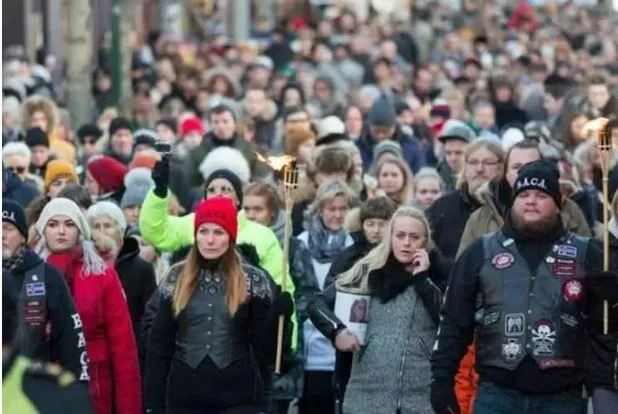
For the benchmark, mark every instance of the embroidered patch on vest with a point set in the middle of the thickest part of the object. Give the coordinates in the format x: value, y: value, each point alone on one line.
x: 512, y: 349
x: 35, y: 289
x: 491, y: 318
x: 564, y: 268
x: 502, y: 260
x: 543, y: 338
x: 569, y: 320
x: 572, y: 290
x: 566, y: 250
x: 556, y: 363
x: 514, y: 324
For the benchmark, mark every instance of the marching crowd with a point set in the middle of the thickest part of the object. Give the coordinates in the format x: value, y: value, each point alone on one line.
x: 444, y: 172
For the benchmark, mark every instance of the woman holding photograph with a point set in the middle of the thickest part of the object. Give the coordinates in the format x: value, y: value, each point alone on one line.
x: 391, y: 371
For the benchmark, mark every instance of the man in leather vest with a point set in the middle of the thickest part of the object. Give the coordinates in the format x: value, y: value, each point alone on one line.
x: 33, y: 387
x: 522, y: 292
x: 49, y: 327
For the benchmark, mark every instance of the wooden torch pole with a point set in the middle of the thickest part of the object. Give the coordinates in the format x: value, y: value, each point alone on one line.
x: 289, y: 182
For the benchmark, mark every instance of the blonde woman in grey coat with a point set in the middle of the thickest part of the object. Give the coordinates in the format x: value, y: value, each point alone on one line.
x: 391, y: 371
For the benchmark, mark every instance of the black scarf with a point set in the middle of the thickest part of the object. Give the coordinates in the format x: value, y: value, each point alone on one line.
x: 391, y: 280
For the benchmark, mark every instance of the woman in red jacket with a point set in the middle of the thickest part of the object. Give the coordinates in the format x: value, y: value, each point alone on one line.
x: 101, y: 304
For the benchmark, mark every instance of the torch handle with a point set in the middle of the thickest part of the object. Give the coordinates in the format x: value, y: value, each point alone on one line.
x: 605, y: 171
x: 279, y: 345
x: 287, y: 230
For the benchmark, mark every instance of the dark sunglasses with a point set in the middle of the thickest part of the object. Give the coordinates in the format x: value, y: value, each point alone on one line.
x: 17, y: 170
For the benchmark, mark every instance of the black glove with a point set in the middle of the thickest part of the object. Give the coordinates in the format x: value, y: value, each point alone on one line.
x: 283, y: 304
x: 443, y: 399
x: 161, y: 177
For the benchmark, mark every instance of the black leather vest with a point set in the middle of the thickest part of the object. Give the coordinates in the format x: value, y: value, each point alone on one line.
x: 33, y: 320
x: 206, y: 327
x: 522, y: 312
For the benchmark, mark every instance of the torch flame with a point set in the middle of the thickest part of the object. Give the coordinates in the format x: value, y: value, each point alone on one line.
x: 276, y: 162
x: 594, y: 127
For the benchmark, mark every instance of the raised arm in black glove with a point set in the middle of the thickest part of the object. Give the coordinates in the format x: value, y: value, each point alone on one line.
x: 161, y: 177
x: 602, y: 287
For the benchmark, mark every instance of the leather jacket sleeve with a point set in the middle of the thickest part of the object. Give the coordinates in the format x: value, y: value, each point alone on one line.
x: 321, y: 312
x: 431, y: 296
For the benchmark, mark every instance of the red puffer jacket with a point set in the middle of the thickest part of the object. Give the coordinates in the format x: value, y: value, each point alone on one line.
x: 115, y: 385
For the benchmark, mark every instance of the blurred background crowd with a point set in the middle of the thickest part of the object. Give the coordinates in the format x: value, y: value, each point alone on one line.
x: 409, y: 100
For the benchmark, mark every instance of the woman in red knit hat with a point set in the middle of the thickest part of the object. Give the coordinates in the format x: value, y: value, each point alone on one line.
x: 217, y: 318
x: 105, y: 178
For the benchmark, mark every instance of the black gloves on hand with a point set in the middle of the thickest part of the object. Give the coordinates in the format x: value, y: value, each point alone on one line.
x: 443, y: 399
x: 161, y: 177
x: 283, y: 304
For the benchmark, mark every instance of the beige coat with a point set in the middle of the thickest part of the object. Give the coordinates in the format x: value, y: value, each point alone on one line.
x: 487, y: 219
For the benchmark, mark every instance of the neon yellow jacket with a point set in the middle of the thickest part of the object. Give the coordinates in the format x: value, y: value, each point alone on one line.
x: 170, y: 233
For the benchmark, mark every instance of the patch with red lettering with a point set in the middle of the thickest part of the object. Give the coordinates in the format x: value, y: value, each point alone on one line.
x: 564, y: 268
x: 572, y: 290
x: 502, y: 260
x: 556, y: 363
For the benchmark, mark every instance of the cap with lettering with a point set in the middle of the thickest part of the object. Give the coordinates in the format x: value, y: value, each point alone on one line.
x: 539, y: 175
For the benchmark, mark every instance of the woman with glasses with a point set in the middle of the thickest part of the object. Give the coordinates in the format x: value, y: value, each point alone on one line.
x: 16, y: 157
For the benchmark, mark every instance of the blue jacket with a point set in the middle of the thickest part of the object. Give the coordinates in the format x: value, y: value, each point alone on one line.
x: 412, y: 150
x: 16, y: 189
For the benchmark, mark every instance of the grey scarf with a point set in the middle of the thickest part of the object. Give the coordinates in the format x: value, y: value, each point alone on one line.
x: 324, y: 244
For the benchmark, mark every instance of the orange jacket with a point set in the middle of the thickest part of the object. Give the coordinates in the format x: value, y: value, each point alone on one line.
x: 466, y: 381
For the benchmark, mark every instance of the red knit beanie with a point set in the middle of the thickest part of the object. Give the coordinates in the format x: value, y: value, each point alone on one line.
x: 107, y: 172
x: 190, y: 124
x: 218, y: 210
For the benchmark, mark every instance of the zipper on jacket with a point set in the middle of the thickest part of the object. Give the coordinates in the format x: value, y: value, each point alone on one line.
x: 403, y: 357
x: 328, y: 319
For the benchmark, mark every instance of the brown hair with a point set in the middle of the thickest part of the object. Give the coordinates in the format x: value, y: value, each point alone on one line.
x: 403, y: 196
x: 235, y: 283
x: 270, y: 194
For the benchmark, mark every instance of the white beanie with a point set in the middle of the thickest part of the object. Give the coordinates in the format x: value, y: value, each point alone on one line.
x: 107, y: 208
x: 511, y: 137
x: 60, y: 206
x: 226, y: 158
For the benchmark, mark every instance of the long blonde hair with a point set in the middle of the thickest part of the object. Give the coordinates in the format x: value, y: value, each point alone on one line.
x: 234, y: 279
x: 355, y: 280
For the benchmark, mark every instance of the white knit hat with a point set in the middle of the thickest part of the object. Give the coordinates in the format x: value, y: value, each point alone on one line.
x: 107, y: 208
x: 60, y: 206
x: 226, y: 158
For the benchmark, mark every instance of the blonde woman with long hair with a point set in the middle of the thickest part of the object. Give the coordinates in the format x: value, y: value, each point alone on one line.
x: 213, y: 326
x: 391, y: 371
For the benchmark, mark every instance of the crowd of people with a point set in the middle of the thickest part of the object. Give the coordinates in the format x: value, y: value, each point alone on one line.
x: 446, y: 173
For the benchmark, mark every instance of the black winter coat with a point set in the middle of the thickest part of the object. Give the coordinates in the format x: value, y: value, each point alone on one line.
x: 448, y: 216
x: 138, y: 281
x: 62, y: 346
x: 602, y: 370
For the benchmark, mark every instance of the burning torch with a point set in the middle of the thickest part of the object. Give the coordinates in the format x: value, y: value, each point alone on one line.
x: 286, y: 166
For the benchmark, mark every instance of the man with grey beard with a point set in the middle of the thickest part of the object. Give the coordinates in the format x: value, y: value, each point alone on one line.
x: 49, y: 327
x: 523, y: 293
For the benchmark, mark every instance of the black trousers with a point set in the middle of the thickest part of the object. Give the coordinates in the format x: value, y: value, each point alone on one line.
x: 318, y: 393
